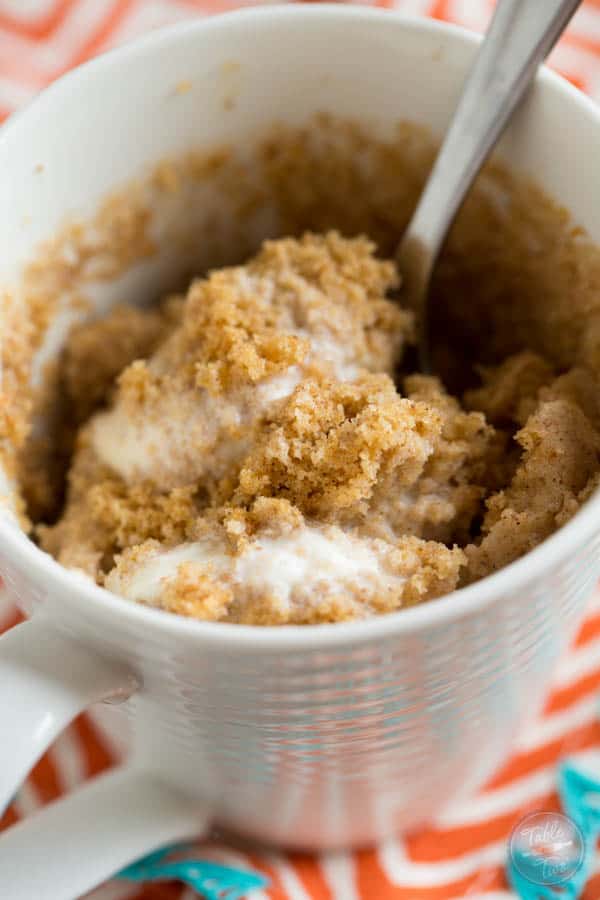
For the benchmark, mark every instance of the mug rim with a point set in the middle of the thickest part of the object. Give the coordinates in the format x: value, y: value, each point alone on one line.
x: 55, y: 578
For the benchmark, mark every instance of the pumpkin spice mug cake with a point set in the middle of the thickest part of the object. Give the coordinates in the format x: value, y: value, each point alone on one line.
x: 313, y: 575
x: 261, y: 466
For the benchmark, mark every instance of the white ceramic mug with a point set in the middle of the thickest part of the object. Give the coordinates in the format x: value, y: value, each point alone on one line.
x: 311, y: 737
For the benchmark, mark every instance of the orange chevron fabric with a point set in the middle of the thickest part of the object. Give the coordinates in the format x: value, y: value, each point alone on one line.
x: 463, y: 855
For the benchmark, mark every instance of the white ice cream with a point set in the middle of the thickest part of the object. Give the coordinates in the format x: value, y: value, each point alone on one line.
x: 310, y: 558
x: 178, y: 439
x: 173, y: 441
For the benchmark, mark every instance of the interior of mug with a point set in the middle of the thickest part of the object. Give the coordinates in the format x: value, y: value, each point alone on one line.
x: 517, y: 272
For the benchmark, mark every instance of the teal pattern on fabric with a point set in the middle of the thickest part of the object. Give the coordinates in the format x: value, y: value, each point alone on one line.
x: 212, y: 880
x: 580, y: 798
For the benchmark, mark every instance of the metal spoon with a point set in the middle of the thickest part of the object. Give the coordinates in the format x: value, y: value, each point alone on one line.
x: 520, y: 36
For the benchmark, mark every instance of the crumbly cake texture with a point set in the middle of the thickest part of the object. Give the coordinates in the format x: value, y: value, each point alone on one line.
x: 260, y: 466
x: 249, y: 334
x: 255, y: 418
x: 52, y: 284
x: 558, y: 465
x: 261, y: 423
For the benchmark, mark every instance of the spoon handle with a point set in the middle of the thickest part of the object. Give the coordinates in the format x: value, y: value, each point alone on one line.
x: 520, y: 36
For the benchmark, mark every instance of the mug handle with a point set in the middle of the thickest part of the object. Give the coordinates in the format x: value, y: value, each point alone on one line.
x: 46, y: 679
x: 70, y: 846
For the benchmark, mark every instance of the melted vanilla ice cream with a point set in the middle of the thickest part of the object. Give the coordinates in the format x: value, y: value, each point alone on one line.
x: 289, y: 575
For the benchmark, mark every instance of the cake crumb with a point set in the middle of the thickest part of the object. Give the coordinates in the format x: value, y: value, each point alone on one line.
x: 183, y: 87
